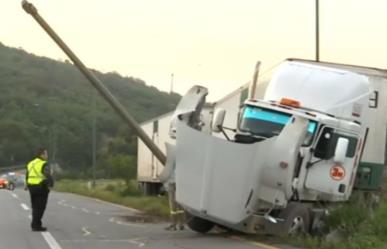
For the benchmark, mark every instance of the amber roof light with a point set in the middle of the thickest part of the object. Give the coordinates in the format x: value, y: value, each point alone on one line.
x: 290, y: 102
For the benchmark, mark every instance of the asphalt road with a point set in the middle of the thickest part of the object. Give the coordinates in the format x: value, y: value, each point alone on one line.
x: 76, y: 222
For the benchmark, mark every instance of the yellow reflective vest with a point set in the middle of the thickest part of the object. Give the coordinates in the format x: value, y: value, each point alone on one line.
x: 35, y: 174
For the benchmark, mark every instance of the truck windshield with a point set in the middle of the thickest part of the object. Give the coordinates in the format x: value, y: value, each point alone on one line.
x: 267, y: 123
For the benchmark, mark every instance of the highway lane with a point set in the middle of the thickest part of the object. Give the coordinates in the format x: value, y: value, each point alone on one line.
x: 15, y: 231
x: 76, y: 222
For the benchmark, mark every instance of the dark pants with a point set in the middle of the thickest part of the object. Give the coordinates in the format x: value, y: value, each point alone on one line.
x: 39, y: 196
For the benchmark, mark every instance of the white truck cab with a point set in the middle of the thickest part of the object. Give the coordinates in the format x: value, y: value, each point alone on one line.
x: 299, y: 145
x: 328, y: 153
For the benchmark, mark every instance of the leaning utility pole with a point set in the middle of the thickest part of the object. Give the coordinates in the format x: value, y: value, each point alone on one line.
x: 97, y: 83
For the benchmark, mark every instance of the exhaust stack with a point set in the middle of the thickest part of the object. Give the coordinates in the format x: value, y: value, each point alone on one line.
x: 253, y: 84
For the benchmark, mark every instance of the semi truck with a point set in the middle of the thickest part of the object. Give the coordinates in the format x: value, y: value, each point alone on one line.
x: 318, y: 128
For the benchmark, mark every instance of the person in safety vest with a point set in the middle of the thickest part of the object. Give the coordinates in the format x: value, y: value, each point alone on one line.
x: 38, y: 180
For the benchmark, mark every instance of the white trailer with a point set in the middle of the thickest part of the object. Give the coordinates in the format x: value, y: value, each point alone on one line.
x: 148, y: 167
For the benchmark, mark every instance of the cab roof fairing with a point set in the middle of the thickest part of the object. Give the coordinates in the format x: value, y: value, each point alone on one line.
x: 329, y: 90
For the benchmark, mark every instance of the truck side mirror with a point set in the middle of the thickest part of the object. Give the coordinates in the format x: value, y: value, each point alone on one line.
x: 217, y: 121
x: 341, y: 150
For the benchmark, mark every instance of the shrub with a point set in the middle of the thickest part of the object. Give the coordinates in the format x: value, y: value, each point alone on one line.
x: 110, y: 187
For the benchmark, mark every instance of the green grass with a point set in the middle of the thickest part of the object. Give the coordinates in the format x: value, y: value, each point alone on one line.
x: 360, y: 230
x: 116, y: 191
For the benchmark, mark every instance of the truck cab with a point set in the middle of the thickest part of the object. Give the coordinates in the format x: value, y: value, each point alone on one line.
x: 329, y: 152
x: 299, y: 145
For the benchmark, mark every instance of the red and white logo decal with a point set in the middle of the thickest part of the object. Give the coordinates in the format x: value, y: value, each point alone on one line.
x: 337, y: 173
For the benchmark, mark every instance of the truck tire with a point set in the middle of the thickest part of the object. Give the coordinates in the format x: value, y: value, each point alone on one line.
x: 296, y: 219
x: 199, y: 225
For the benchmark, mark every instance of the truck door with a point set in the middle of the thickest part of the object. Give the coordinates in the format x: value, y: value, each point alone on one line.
x: 325, y: 174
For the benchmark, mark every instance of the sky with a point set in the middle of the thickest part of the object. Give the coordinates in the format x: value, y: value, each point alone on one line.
x: 214, y: 43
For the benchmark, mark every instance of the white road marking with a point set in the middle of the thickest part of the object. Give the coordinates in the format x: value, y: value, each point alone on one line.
x: 24, y: 206
x: 85, y: 231
x: 30, y: 217
x: 116, y: 205
x: 126, y: 223
x: 51, y: 240
x: 64, y: 204
x: 131, y: 241
x: 61, y: 202
x: 138, y: 243
x: 15, y: 196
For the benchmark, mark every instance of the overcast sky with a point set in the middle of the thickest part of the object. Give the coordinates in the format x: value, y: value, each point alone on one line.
x: 215, y: 43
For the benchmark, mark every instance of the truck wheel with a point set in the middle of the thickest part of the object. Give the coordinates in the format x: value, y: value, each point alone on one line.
x: 296, y: 219
x: 199, y: 225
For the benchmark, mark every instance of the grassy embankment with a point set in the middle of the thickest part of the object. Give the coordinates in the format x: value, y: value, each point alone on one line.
x: 358, y: 228
x: 116, y: 191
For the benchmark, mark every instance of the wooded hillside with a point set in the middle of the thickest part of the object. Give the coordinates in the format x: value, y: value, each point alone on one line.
x: 44, y: 102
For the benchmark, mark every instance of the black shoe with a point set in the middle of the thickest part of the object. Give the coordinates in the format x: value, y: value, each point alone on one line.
x: 39, y: 229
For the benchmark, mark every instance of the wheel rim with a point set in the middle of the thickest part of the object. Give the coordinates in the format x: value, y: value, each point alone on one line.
x: 297, y: 226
